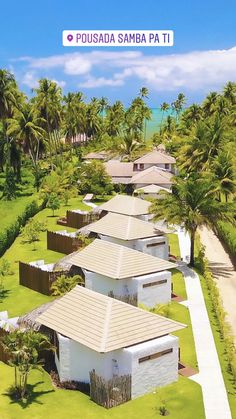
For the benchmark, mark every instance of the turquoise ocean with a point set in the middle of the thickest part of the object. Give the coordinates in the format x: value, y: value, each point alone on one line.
x: 154, y: 124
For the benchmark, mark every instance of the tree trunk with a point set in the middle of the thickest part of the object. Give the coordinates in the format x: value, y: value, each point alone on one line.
x: 192, y: 242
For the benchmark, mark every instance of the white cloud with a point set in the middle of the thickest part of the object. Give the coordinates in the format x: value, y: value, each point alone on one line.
x: 92, y: 82
x: 60, y: 83
x: 30, y: 79
x: 196, y: 71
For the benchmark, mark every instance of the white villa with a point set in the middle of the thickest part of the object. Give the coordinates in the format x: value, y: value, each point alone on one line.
x: 156, y: 167
x: 127, y: 205
x: 112, y: 269
x: 131, y: 232
x: 95, y: 332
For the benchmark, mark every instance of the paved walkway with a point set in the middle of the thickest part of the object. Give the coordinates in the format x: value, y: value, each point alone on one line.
x: 209, y: 377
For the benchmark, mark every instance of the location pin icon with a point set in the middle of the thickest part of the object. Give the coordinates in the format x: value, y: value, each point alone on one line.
x: 69, y: 37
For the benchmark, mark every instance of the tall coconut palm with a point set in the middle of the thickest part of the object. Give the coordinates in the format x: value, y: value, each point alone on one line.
x: 209, y: 104
x: 9, y: 100
x: 115, y: 119
x: 48, y: 104
x: 229, y: 92
x: 192, y: 115
x: 164, y: 108
x: 177, y: 105
x: 74, y: 121
x: 26, y: 128
x: 224, y: 175
x: 203, y: 145
x: 103, y: 104
x: 192, y: 205
x: 143, y: 92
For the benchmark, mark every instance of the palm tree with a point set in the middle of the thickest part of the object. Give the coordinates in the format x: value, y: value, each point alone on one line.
x: 164, y: 108
x: 48, y: 104
x: 24, y: 348
x: 192, y: 115
x: 177, y: 105
x: 64, y: 284
x: 74, y: 121
x: 224, y: 175
x: 229, y: 92
x: 26, y: 128
x: 222, y: 106
x: 203, y: 145
x: 192, y: 205
x: 209, y: 104
x: 9, y: 100
x: 143, y: 92
x: 103, y: 104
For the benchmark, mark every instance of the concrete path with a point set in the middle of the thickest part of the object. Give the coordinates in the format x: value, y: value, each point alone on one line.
x: 209, y: 377
x: 184, y: 244
x: 223, y: 272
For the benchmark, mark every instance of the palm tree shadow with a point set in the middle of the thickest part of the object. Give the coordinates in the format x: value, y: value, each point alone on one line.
x: 32, y: 398
x: 4, y: 294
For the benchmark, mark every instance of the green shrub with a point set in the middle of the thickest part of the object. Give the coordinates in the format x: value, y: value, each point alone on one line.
x: 227, y: 233
x: 8, y: 236
x: 220, y: 315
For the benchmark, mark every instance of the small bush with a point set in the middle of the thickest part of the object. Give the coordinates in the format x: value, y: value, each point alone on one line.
x: 220, y: 315
x: 8, y: 236
x: 227, y: 233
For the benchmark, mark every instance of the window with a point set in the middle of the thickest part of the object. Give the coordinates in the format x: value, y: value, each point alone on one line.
x: 152, y: 284
x: 155, y: 244
x: 167, y: 166
x: 156, y: 355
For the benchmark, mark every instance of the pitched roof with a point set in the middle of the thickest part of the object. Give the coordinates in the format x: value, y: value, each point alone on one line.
x: 152, y: 175
x: 99, y: 155
x: 156, y: 157
x: 127, y: 205
x: 123, y: 227
x: 102, y: 323
x: 116, y: 261
x: 115, y: 168
x: 153, y: 189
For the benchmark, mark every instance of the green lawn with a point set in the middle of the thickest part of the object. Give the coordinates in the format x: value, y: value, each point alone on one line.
x: 174, y: 244
x: 10, y: 210
x: 178, y: 284
x: 186, y: 341
x: 183, y: 400
x: 20, y: 299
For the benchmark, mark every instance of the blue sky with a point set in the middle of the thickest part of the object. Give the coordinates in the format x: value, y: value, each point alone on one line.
x: 202, y: 59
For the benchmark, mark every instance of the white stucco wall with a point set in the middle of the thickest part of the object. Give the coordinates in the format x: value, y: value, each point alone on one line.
x: 150, y: 374
x: 76, y: 362
x: 160, y: 250
x: 155, y: 294
x: 149, y: 296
